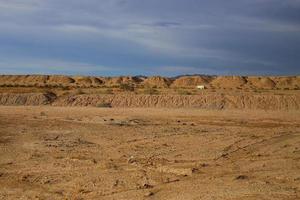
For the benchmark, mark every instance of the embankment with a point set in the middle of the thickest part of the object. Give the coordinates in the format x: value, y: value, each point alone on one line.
x: 26, y: 99
x: 205, y: 101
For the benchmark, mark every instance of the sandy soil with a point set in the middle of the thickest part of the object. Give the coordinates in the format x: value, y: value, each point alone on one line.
x: 101, y: 153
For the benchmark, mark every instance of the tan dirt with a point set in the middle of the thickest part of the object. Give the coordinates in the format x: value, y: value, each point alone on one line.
x: 116, y: 153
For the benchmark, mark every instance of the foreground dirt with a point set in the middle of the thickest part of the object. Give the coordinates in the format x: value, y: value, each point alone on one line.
x: 98, y: 153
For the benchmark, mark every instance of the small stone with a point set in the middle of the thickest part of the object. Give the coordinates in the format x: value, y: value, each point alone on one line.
x: 148, y: 194
x: 94, y: 161
x: 204, y: 165
x: 241, y: 177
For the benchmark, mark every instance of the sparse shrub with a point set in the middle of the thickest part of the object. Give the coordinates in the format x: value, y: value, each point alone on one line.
x: 184, y: 92
x: 151, y: 91
x: 127, y: 87
x: 79, y: 91
x: 50, y: 95
x: 65, y: 87
x: 43, y: 114
x: 104, y: 105
x: 49, y: 92
x: 108, y: 91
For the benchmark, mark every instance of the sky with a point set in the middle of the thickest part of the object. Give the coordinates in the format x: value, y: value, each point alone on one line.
x: 150, y: 37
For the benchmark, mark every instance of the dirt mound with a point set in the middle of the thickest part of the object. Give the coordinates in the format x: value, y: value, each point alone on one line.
x: 23, y: 80
x: 261, y: 82
x: 205, y: 101
x: 30, y: 99
x: 217, y: 82
x: 96, y: 81
x: 116, y: 81
x: 286, y: 82
x: 60, y: 80
x: 190, y: 81
x: 229, y: 82
x: 86, y: 81
x: 38, y: 80
x: 157, y: 81
x: 82, y: 81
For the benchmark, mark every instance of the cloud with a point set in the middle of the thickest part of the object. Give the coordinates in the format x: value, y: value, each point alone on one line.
x: 44, y: 66
x: 137, y: 34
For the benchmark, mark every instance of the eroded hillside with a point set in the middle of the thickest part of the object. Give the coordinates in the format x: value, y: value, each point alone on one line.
x: 221, y: 92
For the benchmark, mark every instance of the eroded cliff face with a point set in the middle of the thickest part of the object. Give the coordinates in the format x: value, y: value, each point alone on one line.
x: 254, y: 92
x: 205, y: 101
x: 26, y: 99
x: 209, y: 101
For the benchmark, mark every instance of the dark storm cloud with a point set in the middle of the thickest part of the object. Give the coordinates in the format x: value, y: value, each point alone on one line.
x: 144, y: 37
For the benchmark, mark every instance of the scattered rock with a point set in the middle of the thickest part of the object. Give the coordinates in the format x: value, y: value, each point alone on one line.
x: 241, y: 177
x: 204, y: 165
x: 94, y: 161
x: 182, y: 171
x: 146, y: 186
x: 149, y: 193
x: 131, y: 160
x: 43, y: 114
x: 116, y: 183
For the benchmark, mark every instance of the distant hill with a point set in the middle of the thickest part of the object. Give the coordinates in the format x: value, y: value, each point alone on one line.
x: 183, y: 81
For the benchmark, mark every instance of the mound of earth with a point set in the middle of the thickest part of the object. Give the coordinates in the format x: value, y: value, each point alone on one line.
x: 190, y: 81
x: 229, y: 82
x: 157, y: 81
x: 116, y: 81
x: 217, y: 82
x: 60, y: 80
x: 83, y: 81
x: 285, y: 82
x: 96, y: 81
x: 32, y: 80
x: 23, y: 80
x: 261, y: 82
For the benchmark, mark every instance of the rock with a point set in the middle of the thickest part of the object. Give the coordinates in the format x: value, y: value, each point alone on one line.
x: 241, y: 177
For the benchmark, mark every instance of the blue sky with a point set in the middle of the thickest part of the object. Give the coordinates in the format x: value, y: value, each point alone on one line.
x: 150, y: 37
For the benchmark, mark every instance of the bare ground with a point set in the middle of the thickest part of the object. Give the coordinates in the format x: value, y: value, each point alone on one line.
x: 124, y: 153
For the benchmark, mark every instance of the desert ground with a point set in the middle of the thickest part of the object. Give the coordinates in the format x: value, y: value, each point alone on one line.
x: 49, y: 152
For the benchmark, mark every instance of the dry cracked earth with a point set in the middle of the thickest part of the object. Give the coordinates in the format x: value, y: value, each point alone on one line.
x: 102, y: 153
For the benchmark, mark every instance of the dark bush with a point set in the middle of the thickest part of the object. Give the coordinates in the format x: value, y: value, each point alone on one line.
x: 127, y: 87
